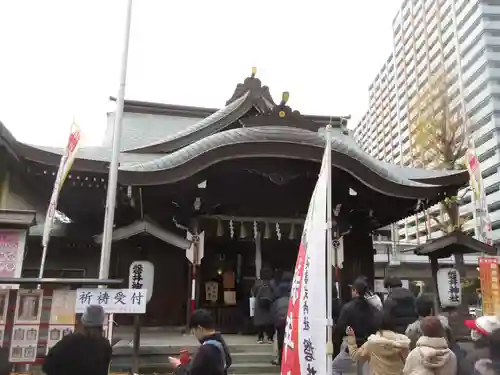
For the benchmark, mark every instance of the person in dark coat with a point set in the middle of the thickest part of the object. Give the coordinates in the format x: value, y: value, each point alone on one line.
x: 280, y: 310
x: 84, y: 352
x: 481, y: 329
x: 400, y: 304
x: 362, y: 318
x: 490, y: 365
x: 264, y: 297
x: 213, y: 356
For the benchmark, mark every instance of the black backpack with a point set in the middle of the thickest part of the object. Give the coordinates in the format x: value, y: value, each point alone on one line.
x: 265, y: 297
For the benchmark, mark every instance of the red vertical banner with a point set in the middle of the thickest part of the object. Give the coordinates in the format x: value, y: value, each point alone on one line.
x: 488, y: 273
x: 291, y: 362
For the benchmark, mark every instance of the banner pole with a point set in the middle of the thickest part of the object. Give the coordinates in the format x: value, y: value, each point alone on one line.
x: 109, y: 217
x: 329, y: 251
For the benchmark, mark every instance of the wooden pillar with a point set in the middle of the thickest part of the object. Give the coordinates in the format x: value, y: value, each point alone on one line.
x: 358, y: 259
x: 258, y: 254
x: 457, y: 317
x: 434, y: 270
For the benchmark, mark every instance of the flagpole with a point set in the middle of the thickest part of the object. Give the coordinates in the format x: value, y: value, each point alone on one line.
x: 329, y: 250
x: 115, y: 157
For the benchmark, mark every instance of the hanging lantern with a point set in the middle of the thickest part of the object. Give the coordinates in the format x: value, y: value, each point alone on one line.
x: 255, y: 229
x: 278, y: 231
x: 292, y: 234
x: 267, y: 232
x: 231, y: 228
x: 220, y: 228
x: 243, y: 231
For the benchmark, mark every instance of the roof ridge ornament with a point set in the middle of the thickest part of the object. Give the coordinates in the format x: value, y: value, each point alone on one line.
x: 261, y: 93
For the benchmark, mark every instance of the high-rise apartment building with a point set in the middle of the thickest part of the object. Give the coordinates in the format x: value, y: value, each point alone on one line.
x: 459, y: 38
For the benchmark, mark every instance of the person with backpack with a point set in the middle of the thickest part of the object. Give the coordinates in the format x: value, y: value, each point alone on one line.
x: 280, y: 311
x: 363, y: 318
x: 213, y: 357
x: 264, y: 297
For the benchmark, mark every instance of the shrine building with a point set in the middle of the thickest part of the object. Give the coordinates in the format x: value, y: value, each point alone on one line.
x: 241, y: 176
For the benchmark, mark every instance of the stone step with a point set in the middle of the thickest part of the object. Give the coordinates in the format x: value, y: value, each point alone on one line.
x: 253, y: 368
x: 252, y: 357
x: 243, y: 363
x: 174, y: 350
x: 163, y: 368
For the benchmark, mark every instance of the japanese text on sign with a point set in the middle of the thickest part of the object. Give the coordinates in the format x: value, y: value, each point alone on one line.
x: 307, y: 343
x: 114, y: 301
x: 137, y: 276
x: 454, y: 287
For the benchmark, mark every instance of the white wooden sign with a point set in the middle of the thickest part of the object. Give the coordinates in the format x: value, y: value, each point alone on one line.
x: 142, y: 276
x: 114, y: 301
x: 449, y: 288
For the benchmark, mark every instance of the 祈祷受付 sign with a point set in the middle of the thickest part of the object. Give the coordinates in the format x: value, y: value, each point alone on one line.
x: 114, y: 301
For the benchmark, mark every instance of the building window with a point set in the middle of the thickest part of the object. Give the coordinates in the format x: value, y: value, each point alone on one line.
x: 472, y: 60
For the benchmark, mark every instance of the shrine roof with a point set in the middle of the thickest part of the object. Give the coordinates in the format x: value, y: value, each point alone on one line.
x: 165, y: 144
x: 456, y: 242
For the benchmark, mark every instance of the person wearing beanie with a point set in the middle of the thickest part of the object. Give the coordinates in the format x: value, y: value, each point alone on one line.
x: 481, y: 328
x: 84, y: 352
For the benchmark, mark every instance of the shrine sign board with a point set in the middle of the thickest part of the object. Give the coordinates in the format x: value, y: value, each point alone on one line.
x: 114, y: 301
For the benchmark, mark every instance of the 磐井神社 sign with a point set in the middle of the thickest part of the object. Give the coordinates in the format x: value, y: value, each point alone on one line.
x: 141, y: 276
x: 114, y: 301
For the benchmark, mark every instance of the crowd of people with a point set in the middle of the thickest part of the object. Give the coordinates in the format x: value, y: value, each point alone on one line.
x: 404, y: 335
x: 400, y: 335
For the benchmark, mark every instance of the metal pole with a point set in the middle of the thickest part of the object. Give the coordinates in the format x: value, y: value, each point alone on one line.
x: 330, y: 254
x: 136, y: 344
x: 114, y: 164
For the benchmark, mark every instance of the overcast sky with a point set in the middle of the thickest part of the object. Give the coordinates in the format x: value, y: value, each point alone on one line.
x: 61, y: 58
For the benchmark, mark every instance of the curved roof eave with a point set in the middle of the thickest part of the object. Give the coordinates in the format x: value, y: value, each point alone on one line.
x: 435, y: 177
x: 283, y: 142
x: 203, y: 128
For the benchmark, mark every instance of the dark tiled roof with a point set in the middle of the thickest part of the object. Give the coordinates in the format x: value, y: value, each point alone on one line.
x: 154, y: 144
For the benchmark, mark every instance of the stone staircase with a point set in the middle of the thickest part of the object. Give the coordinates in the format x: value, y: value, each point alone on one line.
x: 253, y: 359
x: 248, y: 359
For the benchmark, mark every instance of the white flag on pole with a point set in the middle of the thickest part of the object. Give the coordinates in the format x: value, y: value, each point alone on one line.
x: 67, y: 160
x: 304, y: 349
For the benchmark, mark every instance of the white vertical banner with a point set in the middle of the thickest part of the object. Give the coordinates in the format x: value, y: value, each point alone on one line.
x: 304, y: 349
x: 64, y: 167
x: 483, y: 222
